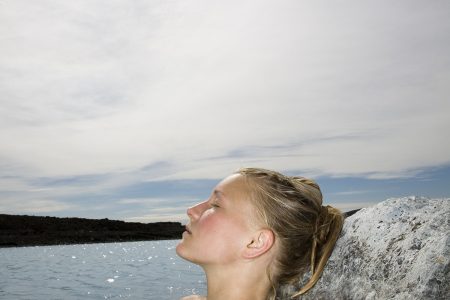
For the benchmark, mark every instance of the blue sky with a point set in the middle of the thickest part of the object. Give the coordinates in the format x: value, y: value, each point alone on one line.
x: 134, y: 110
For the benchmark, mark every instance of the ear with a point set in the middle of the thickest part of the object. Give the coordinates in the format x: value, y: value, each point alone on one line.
x: 261, y: 242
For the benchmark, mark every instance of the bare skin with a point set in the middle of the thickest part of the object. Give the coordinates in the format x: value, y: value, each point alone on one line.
x: 193, y: 297
x: 226, y: 240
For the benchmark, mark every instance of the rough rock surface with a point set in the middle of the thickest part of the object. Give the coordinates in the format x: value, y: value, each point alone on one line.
x: 397, y: 249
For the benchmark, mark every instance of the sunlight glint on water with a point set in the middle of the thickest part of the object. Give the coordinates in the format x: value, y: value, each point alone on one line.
x: 136, y: 270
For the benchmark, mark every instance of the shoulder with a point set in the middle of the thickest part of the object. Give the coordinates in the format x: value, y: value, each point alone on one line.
x: 193, y: 297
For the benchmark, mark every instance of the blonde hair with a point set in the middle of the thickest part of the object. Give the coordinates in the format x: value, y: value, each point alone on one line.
x: 305, y: 231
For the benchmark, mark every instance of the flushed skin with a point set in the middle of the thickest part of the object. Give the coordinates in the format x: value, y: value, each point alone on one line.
x: 236, y: 236
x: 219, y: 227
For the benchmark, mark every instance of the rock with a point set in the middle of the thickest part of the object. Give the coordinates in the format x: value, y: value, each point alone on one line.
x: 397, y: 249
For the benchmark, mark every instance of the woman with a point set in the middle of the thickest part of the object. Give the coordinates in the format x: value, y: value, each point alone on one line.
x: 258, y: 231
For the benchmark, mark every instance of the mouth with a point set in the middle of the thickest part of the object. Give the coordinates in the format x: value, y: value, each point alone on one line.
x: 188, y: 230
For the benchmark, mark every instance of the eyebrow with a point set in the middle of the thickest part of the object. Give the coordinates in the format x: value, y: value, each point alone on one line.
x: 218, y: 194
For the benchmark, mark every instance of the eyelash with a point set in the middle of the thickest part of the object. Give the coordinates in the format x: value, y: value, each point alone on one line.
x: 214, y: 205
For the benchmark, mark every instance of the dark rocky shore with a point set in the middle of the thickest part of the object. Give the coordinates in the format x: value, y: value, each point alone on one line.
x: 17, y: 231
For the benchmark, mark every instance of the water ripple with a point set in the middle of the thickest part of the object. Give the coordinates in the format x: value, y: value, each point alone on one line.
x: 137, y: 270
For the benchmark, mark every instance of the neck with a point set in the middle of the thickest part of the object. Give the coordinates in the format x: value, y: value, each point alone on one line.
x: 238, y: 283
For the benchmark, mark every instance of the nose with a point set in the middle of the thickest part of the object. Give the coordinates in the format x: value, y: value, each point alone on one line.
x: 194, y: 212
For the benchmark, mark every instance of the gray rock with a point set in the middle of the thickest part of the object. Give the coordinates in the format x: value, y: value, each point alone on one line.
x: 397, y: 249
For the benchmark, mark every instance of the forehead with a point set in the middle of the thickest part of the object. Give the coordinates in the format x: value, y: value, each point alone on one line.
x: 233, y: 188
x: 236, y: 194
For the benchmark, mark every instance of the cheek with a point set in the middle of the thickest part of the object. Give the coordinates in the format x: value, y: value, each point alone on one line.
x: 219, y: 229
x: 223, y: 237
x: 216, y: 240
x: 203, y: 242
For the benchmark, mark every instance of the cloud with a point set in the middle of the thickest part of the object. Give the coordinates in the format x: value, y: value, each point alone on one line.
x: 354, y: 192
x: 156, y: 210
x: 136, y: 201
x: 161, y: 217
x: 347, y: 206
x: 122, y: 92
x: 38, y: 206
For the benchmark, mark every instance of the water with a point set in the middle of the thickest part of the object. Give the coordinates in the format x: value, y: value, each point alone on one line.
x: 135, y: 270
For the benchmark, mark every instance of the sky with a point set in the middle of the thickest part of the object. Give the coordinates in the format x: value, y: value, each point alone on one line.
x: 134, y: 110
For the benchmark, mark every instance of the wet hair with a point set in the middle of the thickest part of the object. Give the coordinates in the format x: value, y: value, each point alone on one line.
x: 305, y: 231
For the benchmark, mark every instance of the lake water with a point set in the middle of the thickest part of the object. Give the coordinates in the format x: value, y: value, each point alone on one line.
x: 135, y: 270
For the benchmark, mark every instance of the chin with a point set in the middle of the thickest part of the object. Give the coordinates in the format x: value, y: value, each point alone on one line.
x: 183, y: 252
x: 179, y: 249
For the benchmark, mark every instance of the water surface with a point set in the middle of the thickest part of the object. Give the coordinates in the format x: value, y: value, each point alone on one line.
x: 133, y: 270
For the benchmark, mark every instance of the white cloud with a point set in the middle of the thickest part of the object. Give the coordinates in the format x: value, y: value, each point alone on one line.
x: 151, y: 202
x: 347, y: 206
x: 14, y: 206
x: 352, y: 192
x: 159, y: 218
x: 151, y: 213
x: 137, y: 201
x: 98, y: 87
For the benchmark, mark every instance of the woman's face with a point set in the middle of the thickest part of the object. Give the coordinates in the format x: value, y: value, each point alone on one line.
x: 220, y: 228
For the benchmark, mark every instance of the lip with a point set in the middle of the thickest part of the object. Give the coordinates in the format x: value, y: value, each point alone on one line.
x: 188, y: 230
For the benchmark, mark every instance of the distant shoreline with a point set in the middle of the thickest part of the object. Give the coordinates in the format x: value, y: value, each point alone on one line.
x: 24, y: 231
